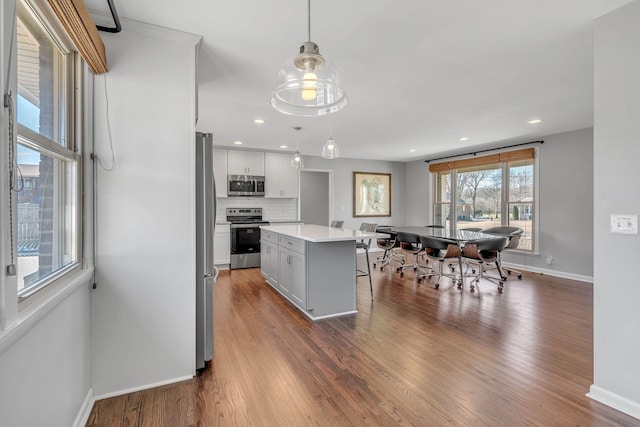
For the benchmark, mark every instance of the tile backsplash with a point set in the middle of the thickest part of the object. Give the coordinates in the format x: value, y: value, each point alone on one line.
x: 272, y: 209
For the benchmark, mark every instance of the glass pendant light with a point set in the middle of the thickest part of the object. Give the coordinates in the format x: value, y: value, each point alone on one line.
x: 330, y: 149
x: 296, y: 160
x: 308, y: 85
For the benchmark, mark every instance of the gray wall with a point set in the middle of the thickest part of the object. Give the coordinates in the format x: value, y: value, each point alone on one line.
x: 314, y: 197
x: 617, y: 152
x: 343, y: 187
x: 565, y: 172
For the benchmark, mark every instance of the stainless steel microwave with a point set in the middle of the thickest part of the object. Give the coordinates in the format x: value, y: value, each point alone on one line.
x: 245, y: 185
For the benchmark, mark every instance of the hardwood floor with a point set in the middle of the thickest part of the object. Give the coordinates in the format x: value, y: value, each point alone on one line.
x: 414, y: 356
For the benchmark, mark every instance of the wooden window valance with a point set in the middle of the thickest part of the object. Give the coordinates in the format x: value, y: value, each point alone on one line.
x: 75, y: 19
x: 507, y: 156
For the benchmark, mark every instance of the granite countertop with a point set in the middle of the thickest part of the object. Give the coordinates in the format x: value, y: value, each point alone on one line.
x: 321, y: 233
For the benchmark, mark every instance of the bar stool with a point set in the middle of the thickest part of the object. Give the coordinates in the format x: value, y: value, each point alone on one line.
x: 365, y: 244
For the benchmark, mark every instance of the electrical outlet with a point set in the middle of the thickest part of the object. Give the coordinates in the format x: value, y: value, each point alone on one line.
x: 624, y: 224
x: 549, y: 259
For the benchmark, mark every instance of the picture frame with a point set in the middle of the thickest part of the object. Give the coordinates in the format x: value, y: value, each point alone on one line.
x: 371, y: 194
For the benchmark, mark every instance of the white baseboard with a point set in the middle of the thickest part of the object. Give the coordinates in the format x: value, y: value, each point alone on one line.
x: 143, y: 387
x: 555, y: 273
x: 615, y: 401
x: 85, y: 410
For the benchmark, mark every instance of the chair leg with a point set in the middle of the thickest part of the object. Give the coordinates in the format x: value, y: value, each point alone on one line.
x: 461, y: 283
x: 366, y: 252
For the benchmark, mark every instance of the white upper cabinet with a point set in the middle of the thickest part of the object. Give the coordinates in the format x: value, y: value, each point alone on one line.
x: 281, y: 180
x: 245, y: 162
x: 220, y: 171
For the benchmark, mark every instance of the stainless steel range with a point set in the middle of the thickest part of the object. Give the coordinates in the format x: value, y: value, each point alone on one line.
x: 245, y: 236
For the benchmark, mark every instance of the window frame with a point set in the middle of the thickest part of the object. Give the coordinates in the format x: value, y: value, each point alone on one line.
x: 505, y: 192
x: 67, y: 149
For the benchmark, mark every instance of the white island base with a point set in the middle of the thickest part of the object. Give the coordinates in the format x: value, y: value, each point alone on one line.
x: 314, y: 267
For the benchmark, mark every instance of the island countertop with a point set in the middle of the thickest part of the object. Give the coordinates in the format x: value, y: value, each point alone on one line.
x: 321, y: 233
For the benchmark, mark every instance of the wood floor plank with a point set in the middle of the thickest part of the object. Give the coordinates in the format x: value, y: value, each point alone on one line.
x: 415, y: 356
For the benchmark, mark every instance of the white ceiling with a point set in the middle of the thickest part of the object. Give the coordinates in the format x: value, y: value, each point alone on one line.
x: 419, y: 74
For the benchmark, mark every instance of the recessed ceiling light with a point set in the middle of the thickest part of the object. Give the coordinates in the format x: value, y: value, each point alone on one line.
x: 284, y: 146
x: 464, y: 138
x: 237, y: 142
x: 534, y: 121
x: 258, y: 121
x: 413, y: 150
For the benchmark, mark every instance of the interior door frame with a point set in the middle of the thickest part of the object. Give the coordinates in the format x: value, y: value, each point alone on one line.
x: 330, y: 172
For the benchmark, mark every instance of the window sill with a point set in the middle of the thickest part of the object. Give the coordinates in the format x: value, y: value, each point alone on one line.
x: 35, y: 312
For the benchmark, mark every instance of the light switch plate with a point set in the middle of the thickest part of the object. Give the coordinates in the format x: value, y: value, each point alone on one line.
x: 624, y: 224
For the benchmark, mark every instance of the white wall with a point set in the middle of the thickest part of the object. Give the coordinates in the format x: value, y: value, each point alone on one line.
x: 343, y: 187
x: 565, y: 169
x: 617, y: 153
x: 44, y: 348
x: 143, y: 310
x: 46, y: 373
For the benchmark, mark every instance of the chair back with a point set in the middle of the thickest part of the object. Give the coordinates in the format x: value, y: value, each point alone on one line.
x: 512, y: 233
x: 389, y: 242
x: 368, y: 228
x: 435, y: 246
x: 337, y: 224
x: 471, y: 229
x: 408, y: 237
x: 484, y: 249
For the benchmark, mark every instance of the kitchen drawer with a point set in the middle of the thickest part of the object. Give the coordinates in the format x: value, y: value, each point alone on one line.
x: 269, y: 236
x: 296, y: 245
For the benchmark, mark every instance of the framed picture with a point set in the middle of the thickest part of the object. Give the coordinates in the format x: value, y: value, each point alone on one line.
x: 371, y: 194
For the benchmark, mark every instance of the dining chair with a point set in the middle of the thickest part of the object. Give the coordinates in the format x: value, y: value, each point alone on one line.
x: 513, y: 235
x: 388, y: 244
x: 365, y: 244
x: 337, y: 224
x: 485, y: 252
x: 438, y: 250
x: 410, y: 243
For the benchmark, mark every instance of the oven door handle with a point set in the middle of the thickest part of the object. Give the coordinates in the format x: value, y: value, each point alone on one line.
x: 245, y: 225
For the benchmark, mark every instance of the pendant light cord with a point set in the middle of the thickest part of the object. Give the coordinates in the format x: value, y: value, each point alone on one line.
x: 309, y: 19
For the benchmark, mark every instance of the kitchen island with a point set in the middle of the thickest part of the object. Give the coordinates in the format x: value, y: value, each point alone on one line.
x: 313, y: 266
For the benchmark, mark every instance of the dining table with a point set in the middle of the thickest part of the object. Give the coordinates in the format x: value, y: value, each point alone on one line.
x: 460, y: 236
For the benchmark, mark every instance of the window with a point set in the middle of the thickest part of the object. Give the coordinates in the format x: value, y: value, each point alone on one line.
x: 48, y: 163
x: 489, y: 191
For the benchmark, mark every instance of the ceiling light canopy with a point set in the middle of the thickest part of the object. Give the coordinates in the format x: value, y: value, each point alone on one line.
x: 308, y: 85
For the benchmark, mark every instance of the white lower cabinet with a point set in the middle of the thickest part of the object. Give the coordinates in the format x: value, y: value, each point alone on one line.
x: 269, y: 259
x: 292, y: 280
x: 284, y: 265
x: 222, y: 244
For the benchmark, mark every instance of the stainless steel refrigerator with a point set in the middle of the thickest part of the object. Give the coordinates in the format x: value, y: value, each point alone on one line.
x: 206, y: 273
